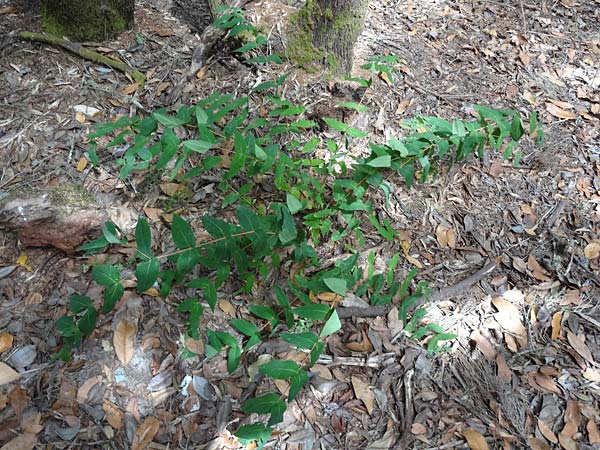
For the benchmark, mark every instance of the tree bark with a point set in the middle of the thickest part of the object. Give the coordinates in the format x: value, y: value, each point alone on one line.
x: 199, y: 14
x: 323, y: 33
x: 87, y: 20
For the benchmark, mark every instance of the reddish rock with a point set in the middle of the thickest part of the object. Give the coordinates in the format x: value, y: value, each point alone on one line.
x: 63, y: 217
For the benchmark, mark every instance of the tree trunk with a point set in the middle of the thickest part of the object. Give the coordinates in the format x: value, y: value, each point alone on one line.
x: 197, y: 13
x: 323, y: 33
x: 87, y: 20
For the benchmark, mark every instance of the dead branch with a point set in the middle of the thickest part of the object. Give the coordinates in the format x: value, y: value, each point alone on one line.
x: 439, y: 294
x: 85, y: 53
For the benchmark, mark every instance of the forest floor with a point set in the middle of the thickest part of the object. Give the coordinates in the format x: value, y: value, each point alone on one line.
x: 524, y: 369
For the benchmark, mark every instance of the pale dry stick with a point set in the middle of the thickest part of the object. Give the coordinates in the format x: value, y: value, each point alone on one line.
x: 439, y: 294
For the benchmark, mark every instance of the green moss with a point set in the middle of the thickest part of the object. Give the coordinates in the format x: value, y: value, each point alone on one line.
x: 301, y: 50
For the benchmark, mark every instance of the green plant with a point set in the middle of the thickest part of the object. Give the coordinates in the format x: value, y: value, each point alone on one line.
x: 312, y: 201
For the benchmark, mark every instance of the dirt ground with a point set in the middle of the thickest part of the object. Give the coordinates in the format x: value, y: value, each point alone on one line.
x: 524, y: 370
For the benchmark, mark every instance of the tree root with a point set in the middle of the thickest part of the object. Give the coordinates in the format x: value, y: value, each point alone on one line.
x: 437, y: 295
x: 85, y: 53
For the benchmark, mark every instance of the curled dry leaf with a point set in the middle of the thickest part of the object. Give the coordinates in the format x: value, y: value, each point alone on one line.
x: 84, y: 391
x: 114, y: 416
x: 593, y: 433
x: 145, y: 433
x: 556, y: 320
x: 537, y: 444
x: 572, y: 419
x: 509, y: 318
x: 592, y: 250
x: 6, y: 341
x: 7, y: 374
x: 475, y: 439
x: 578, y: 343
x: 363, y: 392
x: 559, y: 112
x: 25, y: 441
x: 124, y: 340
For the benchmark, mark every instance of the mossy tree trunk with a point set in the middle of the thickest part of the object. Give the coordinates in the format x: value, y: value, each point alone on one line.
x: 197, y: 13
x: 87, y: 20
x: 323, y: 33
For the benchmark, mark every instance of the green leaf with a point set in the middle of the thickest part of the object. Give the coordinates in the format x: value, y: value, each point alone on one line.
x: 516, y: 128
x: 182, y: 232
x: 265, y: 312
x: 306, y: 340
x: 293, y: 203
x: 79, y: 303
x: 106, y: 275
x: 297, y: 382
x: 337, y: 285
x: 262, y: 404
x: 245, y: 327
x: 312, y: 312
x: 146, y: 273
x: 109, y: 231
x: 381, y: 161
x: 353, y: 105
x: 197, y: 146
x: 112, y: 294
x: 255, y: 432
x: 194, y: 308
x: 233, y: 358
x: 143, y: 239
x: 87, y: 323
x: 279, y: 369
x: 66, y: 327
x: 332, y: 325
x: 168, y: 121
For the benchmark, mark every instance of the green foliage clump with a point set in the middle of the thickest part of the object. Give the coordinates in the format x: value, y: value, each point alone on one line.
x: 309, y: 196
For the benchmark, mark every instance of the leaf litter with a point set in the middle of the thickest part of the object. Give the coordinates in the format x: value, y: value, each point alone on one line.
x: 523, y: 370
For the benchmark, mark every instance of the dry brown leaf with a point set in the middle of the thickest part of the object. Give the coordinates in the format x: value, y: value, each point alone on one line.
x: 484, y: 345
x: 591, y: 374
x: 418, y: 428
x: 496, y: 168
x: 578, y: 343
x: 330, y: 297
x: 8, y: 10
x: 519, y: 264
x: 567, y: 443
x: 124, y: 340
x: 7, y: 374
x: 545, y: 382
x: 82, y: 164
x: 536, y: 270
x: 80, y: 117
x: 556, y: 321
x: 593, y: 434
x: 384, y: 76
x: 6, y: 341
x: 445, y: 236
x: 153, y: 213
x: 227, y: 307
x: 592, y: 250
x: 84, y: 390
x: 130, y: 89
x: 525, y: 58
x: 547, y: 431
x: 363, y: 392
x: 475, y: 439
x: 560, y: 113
x: 145, y: 433
x: 537, y: 444
x: 504, y: 371
x: 25, y: 441
x: 572, y: 419
x: 171, y: 189
x: 322, y: 371
x: 560, y: 104
x: 572, y: 297
x: 364, y: 346
x: 508, y: 316
x: 114, y: 416
x: 18, y: 400
x: 531, y: 98
x: 195, y: 346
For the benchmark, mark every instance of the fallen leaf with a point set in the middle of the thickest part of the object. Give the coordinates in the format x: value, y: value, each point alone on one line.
x: 80, y: 117
x: 537, y: 444
x: 124, y: 340
x: 7, y: 374
x: 145, y: 433
x: 560, y: 113
x: 545, y: 382
x: 417, y: 428
x: 18, y: 400
x: 592, y: 250
x: 82, y: 164
x: 508, y: 317
x: 519, y: 264
x: 114, y: 416
x: 556, y: 320
x: 525, y: 58
x: 531, y: 98
x: 6, y: 341
x: 591, y: 374
x: 25, y: 441
x: 536, y: 270
x: 84, y: 390
x: 130, y: 89
x: 363, y: 392
x: 475, y: 439
x: 572, y: 297
x: 171, y: 189
x: 195, y: 346
x: 567, y: 443
x: 504, y: 371
x: 578, y: 343
x: 593, y: 434
x: 8, y: 10
x: 227, y: 307
x: 572, y: 419
x: 484, y: 345
x: 364, y: 346
x: 547, y: 431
